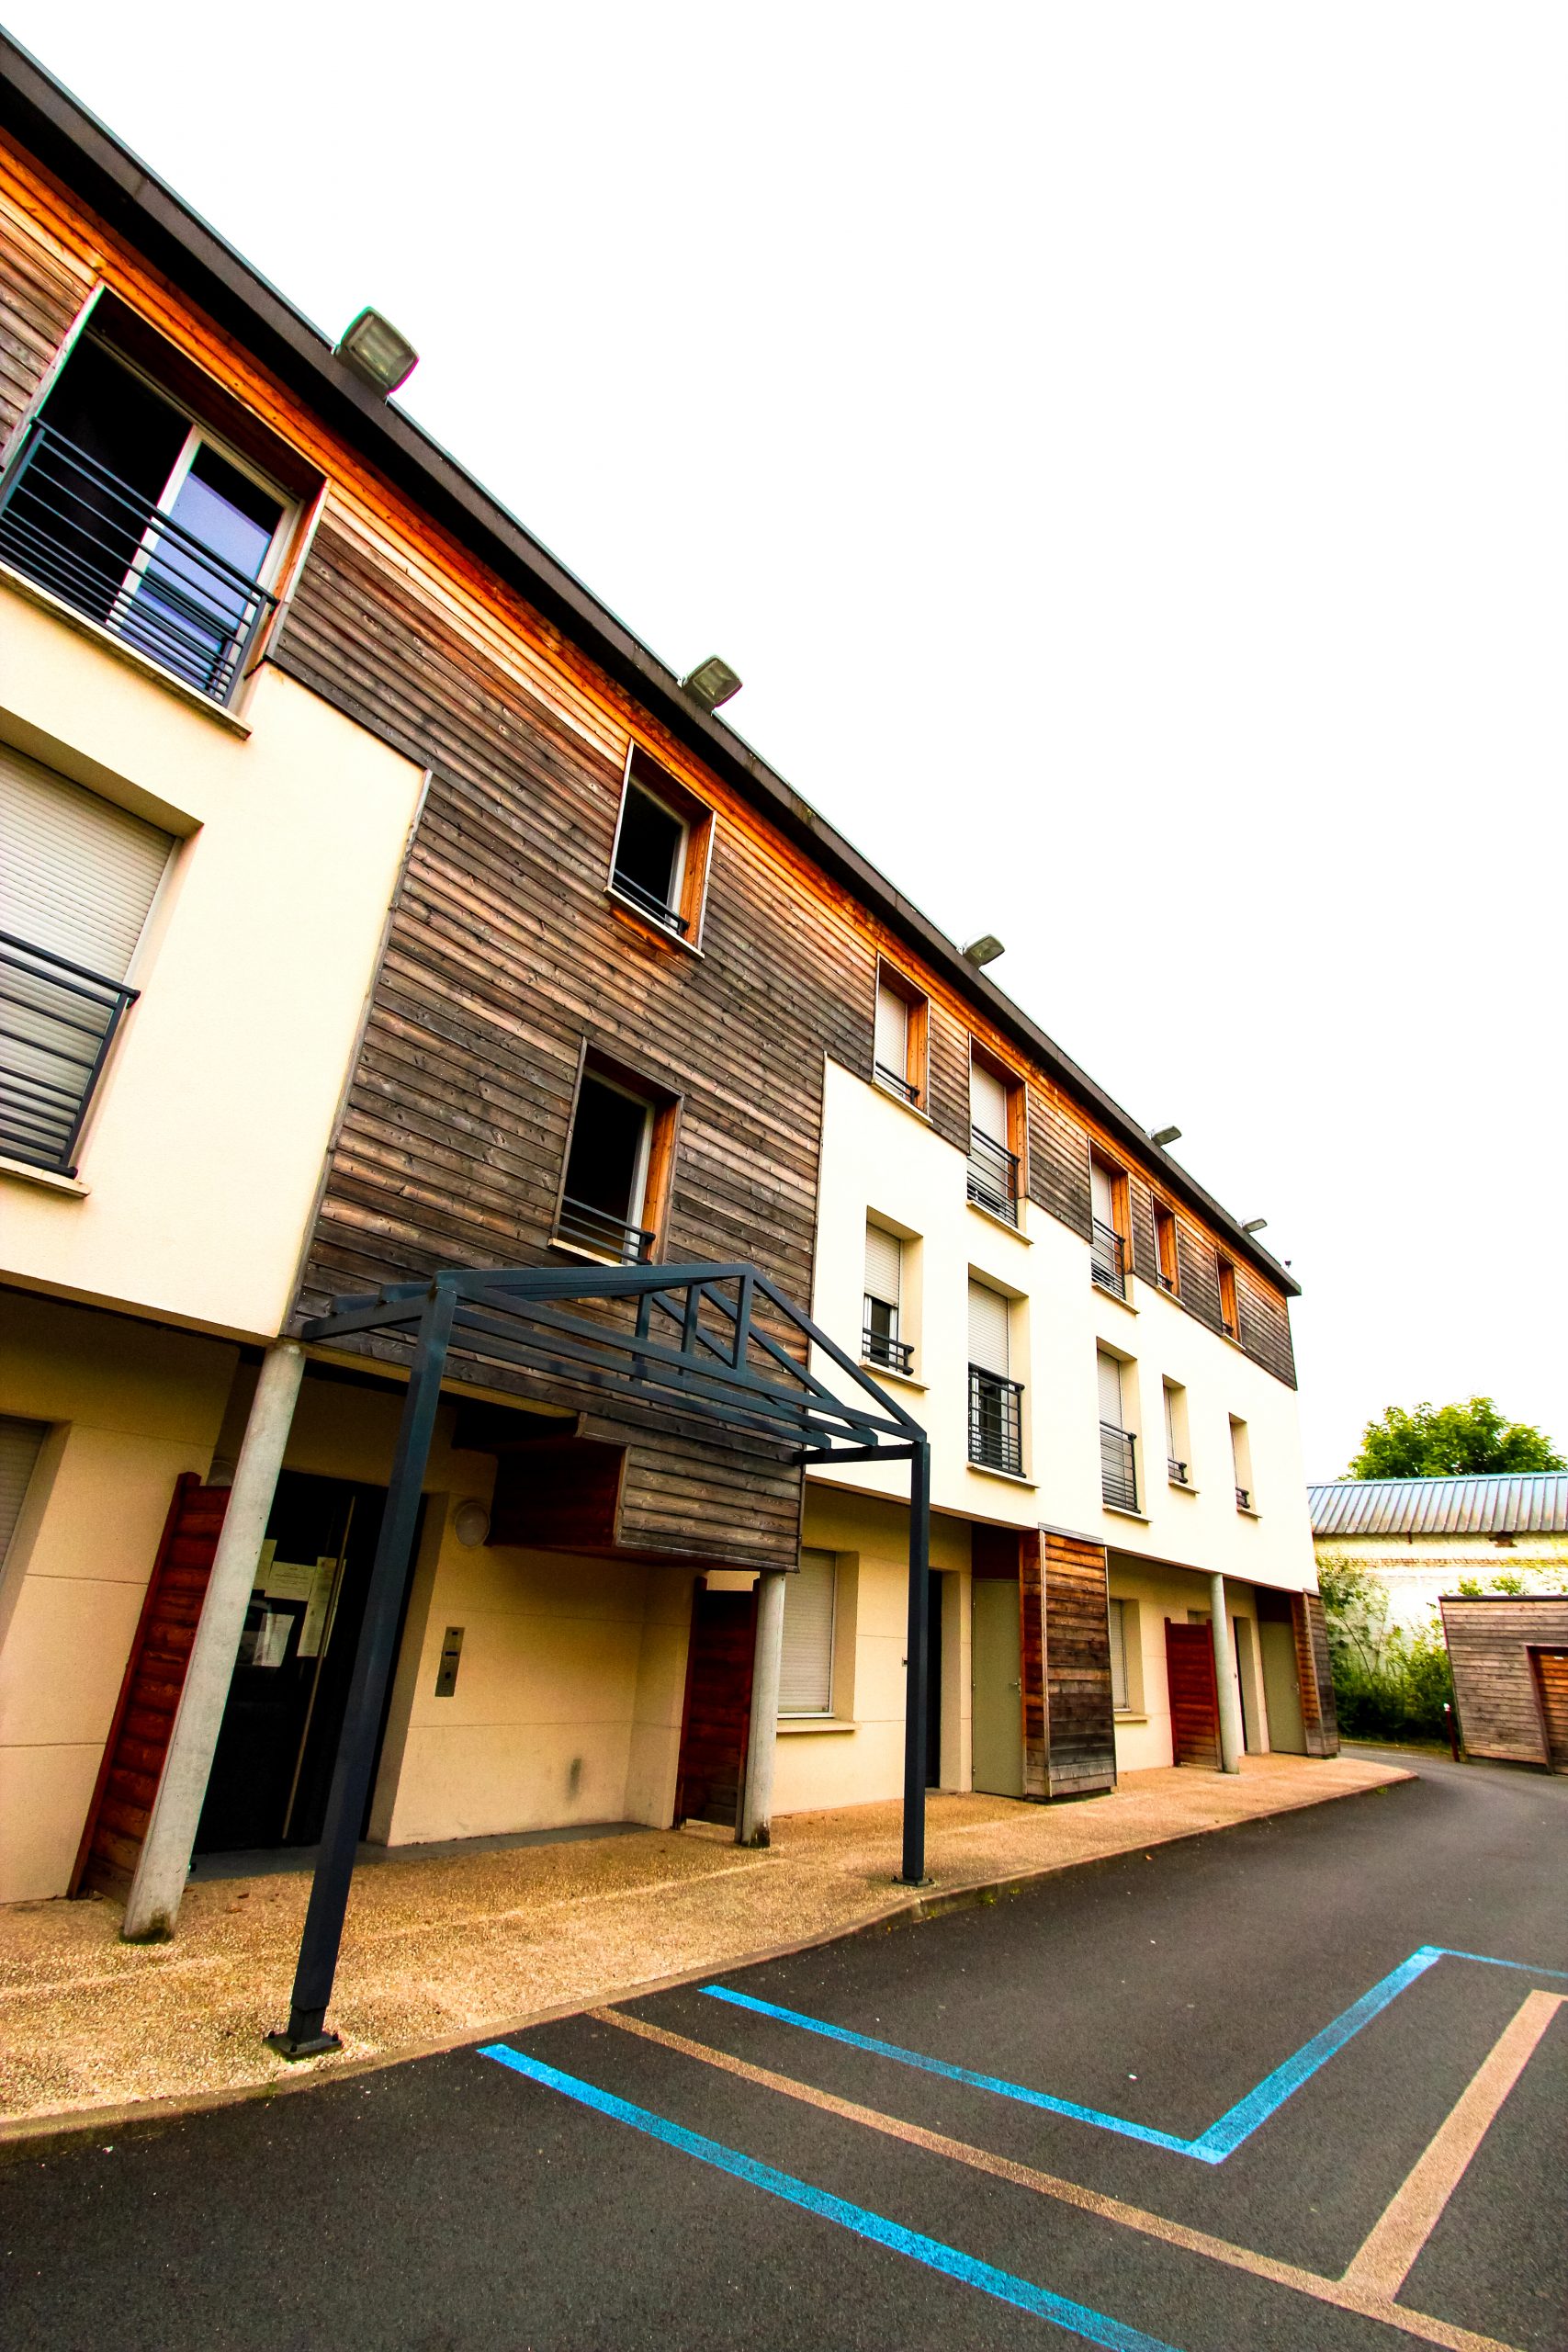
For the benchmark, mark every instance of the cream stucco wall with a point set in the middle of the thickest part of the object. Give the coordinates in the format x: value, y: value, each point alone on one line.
x: 881, y: 1159
x: 203, y: 1151
x: 129, y: 1407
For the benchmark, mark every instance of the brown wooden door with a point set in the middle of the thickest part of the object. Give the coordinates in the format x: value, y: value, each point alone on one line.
x: 718, y: 1706
x: 1194, y: 1702
x: 1552, y: 1687
x: 155, y: 1678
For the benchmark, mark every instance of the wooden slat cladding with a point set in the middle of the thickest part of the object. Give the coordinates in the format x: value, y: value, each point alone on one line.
x: 40, y: 296
x: 1320, y: 1722
x: 1069, y: 1739
x: 1497, y: 1683
x: 150, y: 1693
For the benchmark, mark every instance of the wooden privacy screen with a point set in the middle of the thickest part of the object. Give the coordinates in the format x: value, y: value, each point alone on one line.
x: 717, y: 1715
x: 1194, y: 1702
x: 150, y: 1694
x: 1320, y: 1720
x: 1070, y: 1734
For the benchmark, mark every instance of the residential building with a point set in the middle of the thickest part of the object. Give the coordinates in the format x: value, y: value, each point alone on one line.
x: 381, y: 907
x: 1424, y: 1537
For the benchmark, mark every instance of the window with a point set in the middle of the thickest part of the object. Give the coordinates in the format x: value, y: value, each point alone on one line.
x: 77, y: 881
x: 995, y: 1422
x: 659, y: 865
x: 129, y: 509
x: 1116, y: 1613
x: 1178, y: 1465
x: 19, y: 1445
x: 996, y: 1135
x: 806, y: 1668
x: 1118, y: 1446
x: 1168, y: 1272
x: 1108, y: 1240
x: 1241, y: 1450
x: 1229, y: 1321
x: 616, y: 1166
x: 899, y: 1047
x: 880, y: 1342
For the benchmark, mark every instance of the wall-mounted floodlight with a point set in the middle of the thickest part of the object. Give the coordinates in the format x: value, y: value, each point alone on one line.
x: 1254, y: 1224
x: 1162, y: 1135
x: 712, y: 682
x: 984, y: 950
x: 374, y: 349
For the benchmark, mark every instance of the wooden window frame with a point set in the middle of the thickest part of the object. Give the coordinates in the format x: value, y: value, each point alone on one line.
x: 916, y: 1074
x: 982, y: 1057
x: 696, y: 819
x: 1167, y: 1262
x: 1121, y: 1211
x: 660, y: 1139
x: 1230, y: 1318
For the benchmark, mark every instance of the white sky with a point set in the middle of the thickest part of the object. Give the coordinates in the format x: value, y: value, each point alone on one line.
x: 1122, y: 447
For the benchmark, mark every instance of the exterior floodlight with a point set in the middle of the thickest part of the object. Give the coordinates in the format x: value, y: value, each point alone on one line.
x: 1163, y: 1135
x: 1254, y: 1224
x: 374, y: 349
x: 712, y: 682
x: 984, y: 950
x: 471, y: 1524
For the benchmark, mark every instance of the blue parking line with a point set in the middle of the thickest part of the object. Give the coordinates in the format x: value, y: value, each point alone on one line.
x: 1222, y: 2136
x: 1075, y: 2319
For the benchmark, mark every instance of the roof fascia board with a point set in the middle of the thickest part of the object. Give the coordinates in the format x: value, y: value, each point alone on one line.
x: 85, y: 155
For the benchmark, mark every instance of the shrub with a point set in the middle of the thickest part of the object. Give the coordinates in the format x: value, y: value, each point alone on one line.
x: 1390, y: 1682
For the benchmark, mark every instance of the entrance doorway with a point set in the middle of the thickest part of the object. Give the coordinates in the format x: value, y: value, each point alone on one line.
x: 1194, y: 1699
x: 1281, y: 1676
x: 1551, y: 1692
x: 289, y: 1690
x: 996, y: 1727
x: 718, y: 1714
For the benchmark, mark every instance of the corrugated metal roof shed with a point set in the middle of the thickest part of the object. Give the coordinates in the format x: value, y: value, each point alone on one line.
x: 1530, y: 1503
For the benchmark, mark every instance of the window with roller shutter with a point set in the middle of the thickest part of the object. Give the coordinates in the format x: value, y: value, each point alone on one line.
x: 77, y: 882
x: 806, y: 1669
x: 881, y: 1342
x: 995, y: 1420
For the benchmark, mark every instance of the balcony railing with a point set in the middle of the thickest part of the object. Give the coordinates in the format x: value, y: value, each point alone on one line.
x: 1118, y: 1467
x: 648, y: 903
x: 1244, y: 1499
x: 592, y: 1228
x: 993, y: 1176
x: 1108, y: 1260
x: 1178, y: 1470
x: 93, y: 541
x: 996, y: 1422
x: 882, y: 1348
x: 896, y: 1083
x: 57, y: 1023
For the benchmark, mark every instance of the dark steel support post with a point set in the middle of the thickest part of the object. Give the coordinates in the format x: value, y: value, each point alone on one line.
x: 916, y: 1665
x: 306, y: 2034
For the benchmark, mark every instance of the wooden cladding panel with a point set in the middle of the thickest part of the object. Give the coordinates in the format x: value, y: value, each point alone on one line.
x: 1320, y: 1721
x: 1079, y: 1708
x: 40, y: 296
x: 1030, y: 1564
x: 1058, y: 1163
x: 1496, y: 1686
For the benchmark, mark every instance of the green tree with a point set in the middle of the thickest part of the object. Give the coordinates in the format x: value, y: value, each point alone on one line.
x: 1438, y: 1441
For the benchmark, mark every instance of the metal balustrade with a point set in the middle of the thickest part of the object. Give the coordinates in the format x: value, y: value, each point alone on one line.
x: 592, y: 1229
x: 896, y: 1083
x: 1118, y: 1467
x: 648, y: 903
x: 996, y: 1422
x: 102, y: 548
x: 993, y: 1176
x: 1244, y: 1499
x: 882, y: 1348
x: 1178, y: 1470
x: 57, y: 1023
x: 1108, y: 1260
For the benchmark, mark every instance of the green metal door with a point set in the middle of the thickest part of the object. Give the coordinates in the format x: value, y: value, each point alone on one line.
x: 1282, y: 1689
x: 996, y: 1730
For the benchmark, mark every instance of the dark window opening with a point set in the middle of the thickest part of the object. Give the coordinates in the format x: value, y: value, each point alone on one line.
x: 649, y: 856
x: 606, y: 1172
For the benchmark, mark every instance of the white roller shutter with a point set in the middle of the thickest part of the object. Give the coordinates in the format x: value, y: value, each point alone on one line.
x: 987, y: 1103
x: 1109, y: 1388
x: 884, y: 1265
x: 892, y: 1032
x: 20, y: 1443
x: 77, y: 874
x: 989, y: 1330
x: 1101, y: 1193
x: 806, y: 1670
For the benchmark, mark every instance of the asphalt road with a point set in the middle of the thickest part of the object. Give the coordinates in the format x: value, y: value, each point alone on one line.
x: 592, y: 2187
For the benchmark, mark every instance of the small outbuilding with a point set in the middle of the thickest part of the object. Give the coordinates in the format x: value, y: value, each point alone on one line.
x: 1510, y: 1665
x: 1421, y: 1536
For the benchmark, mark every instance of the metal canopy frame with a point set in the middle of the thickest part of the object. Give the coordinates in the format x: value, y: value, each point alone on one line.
x: 692, y: 1348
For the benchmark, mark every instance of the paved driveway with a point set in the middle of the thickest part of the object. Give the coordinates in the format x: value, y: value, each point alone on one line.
x: 1302, y: 2084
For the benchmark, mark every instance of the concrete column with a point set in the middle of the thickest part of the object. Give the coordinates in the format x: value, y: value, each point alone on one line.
x: 1230, y: 1739
x: 757, y: 1803
x: 156, y: 1889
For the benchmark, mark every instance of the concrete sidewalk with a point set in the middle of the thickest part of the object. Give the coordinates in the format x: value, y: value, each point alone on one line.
x: 442, y: 1949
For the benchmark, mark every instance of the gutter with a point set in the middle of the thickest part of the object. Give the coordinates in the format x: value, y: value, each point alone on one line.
x: 85, y: 155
